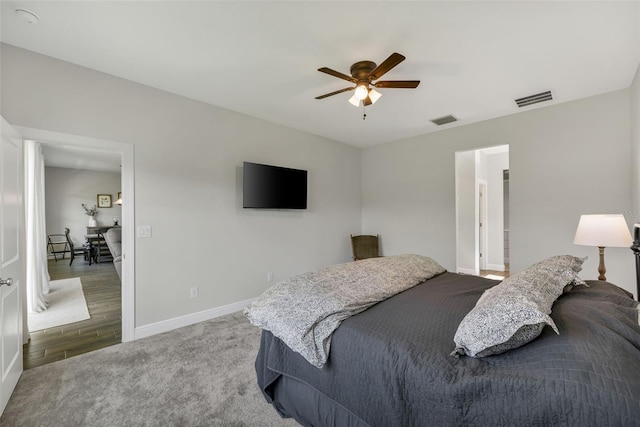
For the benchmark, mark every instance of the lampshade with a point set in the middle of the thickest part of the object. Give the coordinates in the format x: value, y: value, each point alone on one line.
x: 355, y: 101
x: 607, y: 230
x: 374, y: 95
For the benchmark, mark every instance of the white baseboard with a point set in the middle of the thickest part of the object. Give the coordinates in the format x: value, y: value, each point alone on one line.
x: 189, y: 319
x: 495, y: 267
x: 466, y: 270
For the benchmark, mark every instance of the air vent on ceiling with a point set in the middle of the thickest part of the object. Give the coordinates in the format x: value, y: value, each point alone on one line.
x: 444, y: 120
x: 534, y: 99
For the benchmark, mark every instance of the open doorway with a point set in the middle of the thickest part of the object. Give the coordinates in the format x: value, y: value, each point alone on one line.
x: 108, y: 293
x: 84, y: 310
x: 482, y: 212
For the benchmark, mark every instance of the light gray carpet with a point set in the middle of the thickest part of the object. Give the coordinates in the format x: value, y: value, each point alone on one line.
x: 200, y: 375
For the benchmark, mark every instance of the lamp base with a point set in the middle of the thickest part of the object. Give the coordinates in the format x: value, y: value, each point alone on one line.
x: 601, y: 268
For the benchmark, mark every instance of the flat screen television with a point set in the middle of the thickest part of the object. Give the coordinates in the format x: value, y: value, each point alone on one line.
x: 273, y: 187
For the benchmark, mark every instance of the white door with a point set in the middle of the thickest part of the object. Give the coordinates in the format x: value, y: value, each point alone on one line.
x: 11, y: 260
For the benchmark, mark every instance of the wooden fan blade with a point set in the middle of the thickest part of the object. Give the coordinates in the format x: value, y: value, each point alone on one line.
x: 337, y: 74
x: 388, y: 64
x: 335, y: 93
x: 367, y: 101
x: 398, y: 84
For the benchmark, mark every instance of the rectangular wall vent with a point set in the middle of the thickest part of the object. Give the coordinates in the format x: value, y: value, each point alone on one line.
x: 444, y: 120
x: 534, y: 99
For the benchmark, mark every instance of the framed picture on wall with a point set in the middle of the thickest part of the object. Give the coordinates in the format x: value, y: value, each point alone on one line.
x: 104, y: 200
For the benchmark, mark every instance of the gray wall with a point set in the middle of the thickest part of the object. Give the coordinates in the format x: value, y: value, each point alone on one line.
x: 66, y: 190
x: 188, y: 159
x: 634, y: 215
x: 565, y: 160
x: 635, y: 144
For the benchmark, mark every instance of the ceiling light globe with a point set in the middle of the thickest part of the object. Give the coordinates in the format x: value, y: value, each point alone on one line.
x: 361, y: 92
x: 28, y: 16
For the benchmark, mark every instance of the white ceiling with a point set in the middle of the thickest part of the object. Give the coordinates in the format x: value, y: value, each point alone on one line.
x: 260, y: 58
x: 73, y: 157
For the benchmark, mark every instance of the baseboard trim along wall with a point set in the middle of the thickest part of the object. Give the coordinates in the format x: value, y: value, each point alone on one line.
x: 466, y: 270
x: 189, y: 319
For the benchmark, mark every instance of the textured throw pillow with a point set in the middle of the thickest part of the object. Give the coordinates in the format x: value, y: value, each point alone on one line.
x: 575, y: 282
x: 560, y: 262
x: 515, y: 311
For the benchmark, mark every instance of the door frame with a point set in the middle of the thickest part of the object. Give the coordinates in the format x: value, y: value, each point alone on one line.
x: 482, y: 230
x: 128, y: 209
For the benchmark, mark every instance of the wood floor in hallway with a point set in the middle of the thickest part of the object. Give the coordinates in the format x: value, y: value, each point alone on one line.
x: 496, y: 274
x: 102, y: 290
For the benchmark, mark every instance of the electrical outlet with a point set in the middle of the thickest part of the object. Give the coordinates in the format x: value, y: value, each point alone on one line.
x: 194, y: 292
x: 269, y: 277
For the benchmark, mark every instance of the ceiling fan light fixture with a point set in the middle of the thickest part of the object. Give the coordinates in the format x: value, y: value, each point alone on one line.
x: 374, y: 95
x: 354, y: 100
x: 364, y: 77
x: 27, y: 16
x: 361, y: 91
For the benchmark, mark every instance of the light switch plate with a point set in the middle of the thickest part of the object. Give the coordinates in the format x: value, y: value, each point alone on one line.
x: 144, y: 231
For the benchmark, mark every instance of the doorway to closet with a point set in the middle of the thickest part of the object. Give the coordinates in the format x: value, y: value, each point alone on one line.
x: 482, y: 234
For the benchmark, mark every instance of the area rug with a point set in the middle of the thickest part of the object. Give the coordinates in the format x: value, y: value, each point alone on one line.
x: 66, y: 305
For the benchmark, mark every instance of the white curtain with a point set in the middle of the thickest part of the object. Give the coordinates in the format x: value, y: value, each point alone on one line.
x: 36, y: 248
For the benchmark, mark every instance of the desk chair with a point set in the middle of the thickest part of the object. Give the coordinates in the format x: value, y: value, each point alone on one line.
x: 84, y: 251
x: 365, y: 246
x: 54, y: 241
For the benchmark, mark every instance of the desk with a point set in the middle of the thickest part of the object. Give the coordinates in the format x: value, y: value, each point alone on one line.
x: 100, y: 229
x: 95, y: 236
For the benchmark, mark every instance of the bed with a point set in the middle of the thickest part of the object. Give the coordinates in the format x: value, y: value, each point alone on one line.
x: 391, y: 364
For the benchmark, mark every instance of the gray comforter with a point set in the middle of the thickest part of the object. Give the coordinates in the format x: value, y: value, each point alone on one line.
x: 305, y: 310
x: 390, y: 365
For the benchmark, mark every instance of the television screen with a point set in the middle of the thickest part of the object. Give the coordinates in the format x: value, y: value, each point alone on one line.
x: 273, y: 187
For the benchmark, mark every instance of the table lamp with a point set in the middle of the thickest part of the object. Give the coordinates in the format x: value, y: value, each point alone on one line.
x: 602, y: 231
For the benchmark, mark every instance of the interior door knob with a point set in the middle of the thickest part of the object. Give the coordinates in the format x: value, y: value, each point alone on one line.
x: 7, y: 282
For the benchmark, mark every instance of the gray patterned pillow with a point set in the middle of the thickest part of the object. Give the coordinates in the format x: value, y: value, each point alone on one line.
x: 515, y: 311
x: 575, y: 282
x: 560, y: 262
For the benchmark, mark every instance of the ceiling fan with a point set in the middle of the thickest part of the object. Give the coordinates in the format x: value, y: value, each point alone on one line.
x: 364, y: 74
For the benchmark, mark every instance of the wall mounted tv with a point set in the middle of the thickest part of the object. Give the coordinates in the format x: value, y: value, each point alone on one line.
x: 273, y: 187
